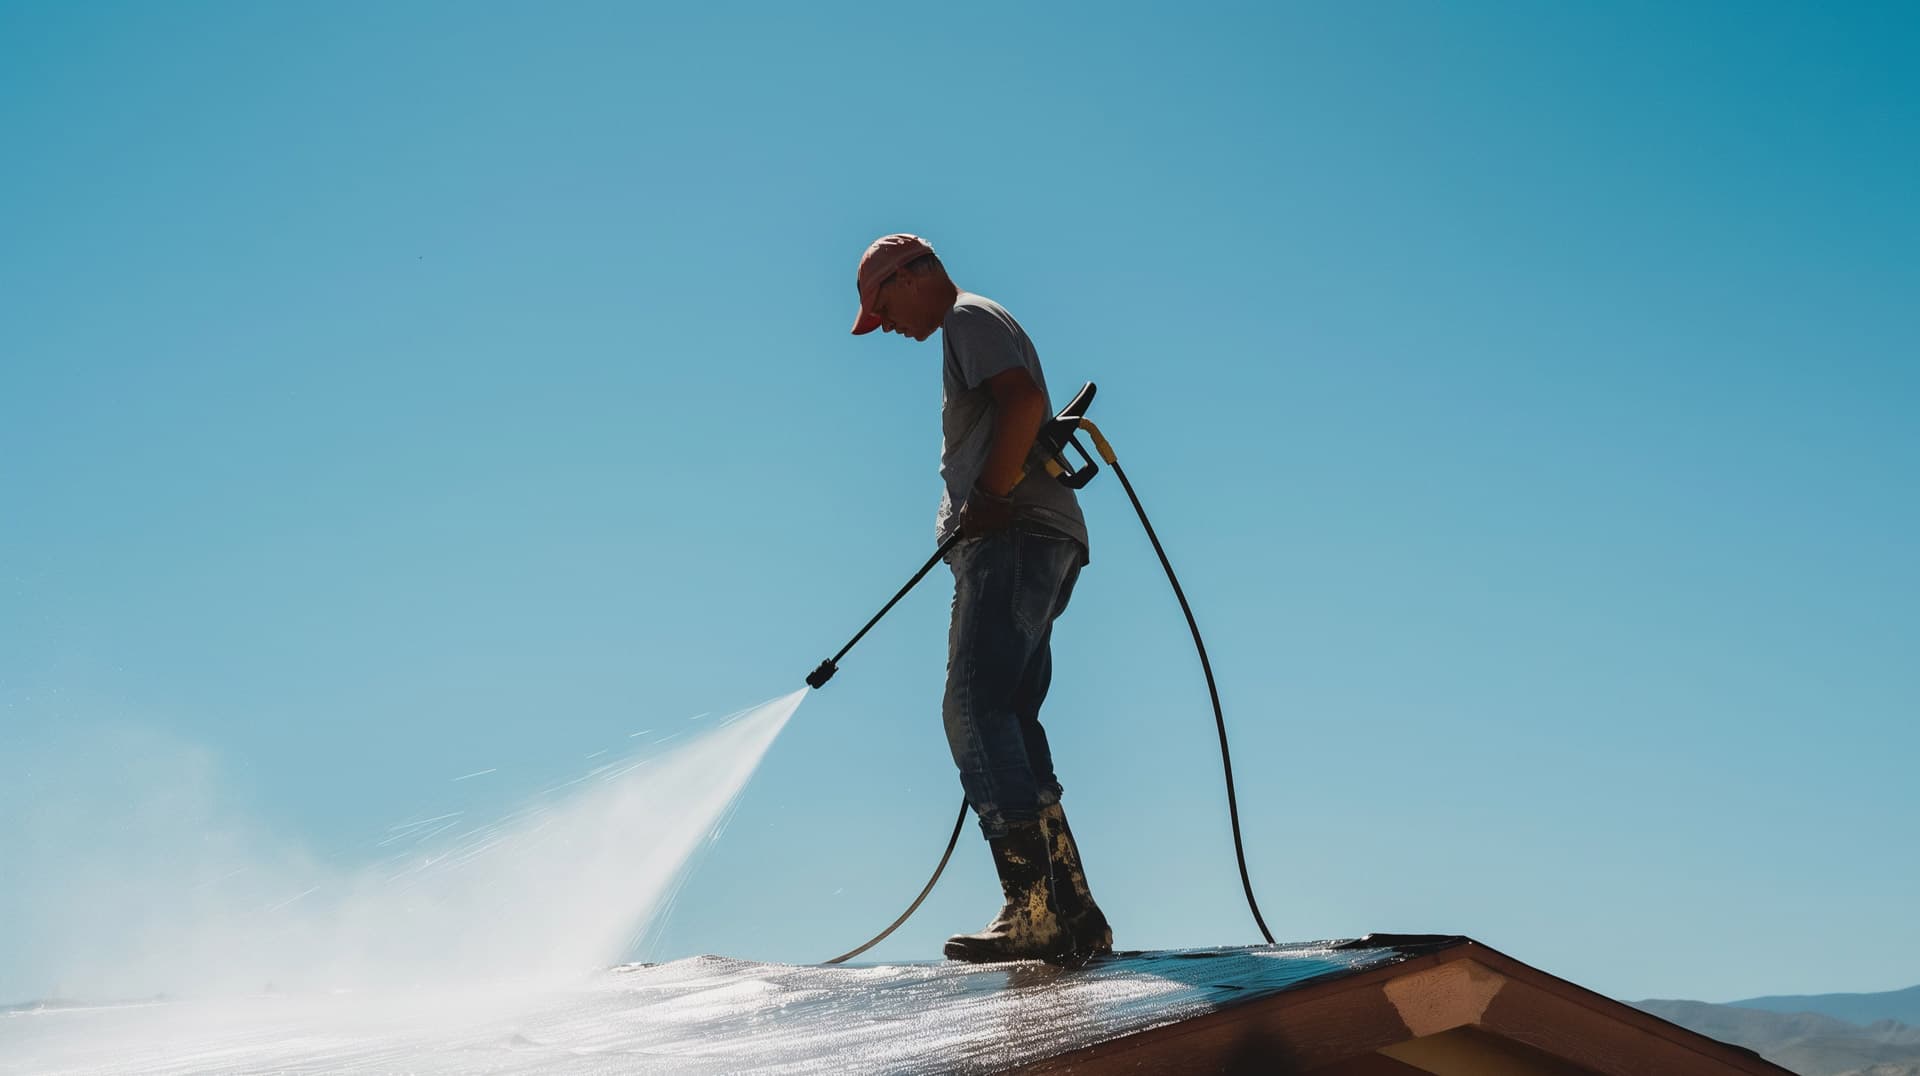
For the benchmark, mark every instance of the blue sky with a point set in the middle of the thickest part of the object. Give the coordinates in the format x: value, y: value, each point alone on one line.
x: 1524, y: 392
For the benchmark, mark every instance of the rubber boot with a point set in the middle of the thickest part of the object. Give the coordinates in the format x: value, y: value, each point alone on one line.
x: 1082, y: 918
x: 1028, y: 927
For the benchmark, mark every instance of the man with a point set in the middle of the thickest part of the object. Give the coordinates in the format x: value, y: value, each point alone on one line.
x: 1023, y: 543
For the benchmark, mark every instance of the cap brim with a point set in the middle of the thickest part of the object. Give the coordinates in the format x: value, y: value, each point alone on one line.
x: 865, y: 324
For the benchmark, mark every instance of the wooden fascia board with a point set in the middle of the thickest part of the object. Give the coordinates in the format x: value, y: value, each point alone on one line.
x: 1522, y: 1016
x: 1321, y: 1024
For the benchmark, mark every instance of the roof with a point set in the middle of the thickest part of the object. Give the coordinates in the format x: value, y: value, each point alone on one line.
x: 1448, y: 1006
x: 1379, y: 1005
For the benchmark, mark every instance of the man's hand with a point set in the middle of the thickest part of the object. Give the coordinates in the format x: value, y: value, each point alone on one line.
x: 985, y: 514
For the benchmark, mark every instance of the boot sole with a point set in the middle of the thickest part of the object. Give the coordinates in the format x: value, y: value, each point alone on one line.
x: 967, y: 954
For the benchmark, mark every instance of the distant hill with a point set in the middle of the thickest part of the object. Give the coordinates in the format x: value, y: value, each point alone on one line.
x: 1809, y: 1043
x: 1901, y: 1005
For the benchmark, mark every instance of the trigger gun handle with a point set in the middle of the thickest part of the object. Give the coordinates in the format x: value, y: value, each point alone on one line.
x: 1057, y: 435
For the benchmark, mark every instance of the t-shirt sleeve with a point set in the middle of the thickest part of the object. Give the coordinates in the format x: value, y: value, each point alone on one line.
x: 980, y: 345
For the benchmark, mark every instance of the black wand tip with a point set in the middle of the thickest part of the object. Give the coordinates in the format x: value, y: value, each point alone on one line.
x: 822, y: 674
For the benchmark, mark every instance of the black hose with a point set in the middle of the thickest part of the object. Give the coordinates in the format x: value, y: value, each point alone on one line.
x: 915, y: 906
x: 1220, y: 722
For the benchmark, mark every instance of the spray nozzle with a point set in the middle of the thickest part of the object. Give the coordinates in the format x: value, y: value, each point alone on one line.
x: 822, y: 674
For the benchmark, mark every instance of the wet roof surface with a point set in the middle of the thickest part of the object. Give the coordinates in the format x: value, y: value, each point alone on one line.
x: 700, y: 1015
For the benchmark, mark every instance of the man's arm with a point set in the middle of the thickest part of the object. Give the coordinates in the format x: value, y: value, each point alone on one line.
x: 1019, y: 410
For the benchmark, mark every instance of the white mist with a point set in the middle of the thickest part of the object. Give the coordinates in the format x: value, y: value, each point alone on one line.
x: 546, y: 895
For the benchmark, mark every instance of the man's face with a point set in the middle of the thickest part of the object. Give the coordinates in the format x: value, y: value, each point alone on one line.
x: 910, y: 304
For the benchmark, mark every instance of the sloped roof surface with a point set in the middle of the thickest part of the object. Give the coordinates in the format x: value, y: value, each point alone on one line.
x: 701, y: 1015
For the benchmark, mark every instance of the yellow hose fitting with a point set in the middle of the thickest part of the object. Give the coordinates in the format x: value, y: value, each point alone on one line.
x: 1099, y: 441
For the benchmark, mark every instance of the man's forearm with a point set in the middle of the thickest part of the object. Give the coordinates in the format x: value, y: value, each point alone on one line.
x: 1015, y: 425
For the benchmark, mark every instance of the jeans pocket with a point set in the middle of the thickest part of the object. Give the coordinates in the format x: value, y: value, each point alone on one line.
x: 1039, y: 565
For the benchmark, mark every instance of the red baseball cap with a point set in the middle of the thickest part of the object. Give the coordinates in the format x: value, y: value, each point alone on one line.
x: 887, y: 254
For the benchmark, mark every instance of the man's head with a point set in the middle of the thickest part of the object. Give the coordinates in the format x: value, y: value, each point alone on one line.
x: 903, y: 288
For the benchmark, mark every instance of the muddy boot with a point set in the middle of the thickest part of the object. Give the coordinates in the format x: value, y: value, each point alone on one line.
x: 1081, y: 917
x: 1028, y: 927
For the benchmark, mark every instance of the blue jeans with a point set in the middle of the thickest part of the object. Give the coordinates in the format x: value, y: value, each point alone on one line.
x: 1007, y: 590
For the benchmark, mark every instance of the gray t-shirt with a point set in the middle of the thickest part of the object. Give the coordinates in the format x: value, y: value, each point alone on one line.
x: 980, y: 339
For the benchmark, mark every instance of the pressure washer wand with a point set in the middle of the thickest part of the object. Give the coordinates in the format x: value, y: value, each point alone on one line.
x: 824, y: 672
x: 1054, y: 437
